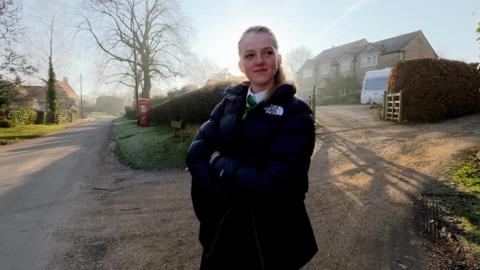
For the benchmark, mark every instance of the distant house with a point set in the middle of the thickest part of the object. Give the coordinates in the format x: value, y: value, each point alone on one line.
x: 358, y: 57
x: 67, y: 97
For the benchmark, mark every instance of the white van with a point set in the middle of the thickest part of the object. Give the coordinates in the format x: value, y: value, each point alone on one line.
x: 374, y: 86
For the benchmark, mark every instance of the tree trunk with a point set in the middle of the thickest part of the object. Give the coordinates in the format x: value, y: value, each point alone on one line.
x: 147, y: 77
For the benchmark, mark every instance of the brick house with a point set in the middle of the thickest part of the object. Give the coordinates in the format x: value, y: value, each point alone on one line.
x: 358, y: 57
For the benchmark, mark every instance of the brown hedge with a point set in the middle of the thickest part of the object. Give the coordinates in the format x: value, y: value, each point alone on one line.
x: 193, y: 107
x: 436, y: 89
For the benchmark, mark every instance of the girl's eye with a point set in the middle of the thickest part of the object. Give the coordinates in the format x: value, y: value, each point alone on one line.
x: 248, y: 56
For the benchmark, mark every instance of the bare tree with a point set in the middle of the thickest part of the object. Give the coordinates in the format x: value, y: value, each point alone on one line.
x: 49, y: 35
x: 294, y: 60
x: 199, y: 71
x: 11, y: 61
x: 146, y: 37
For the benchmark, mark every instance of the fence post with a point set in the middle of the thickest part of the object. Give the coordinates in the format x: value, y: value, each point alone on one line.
x: 384, y: 105
x: 314, y: 101
x: 400, y: 107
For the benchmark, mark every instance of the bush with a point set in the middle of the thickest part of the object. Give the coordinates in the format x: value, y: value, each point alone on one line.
x: 157, y: 100
x: 193, y: 107
x: 21, y: 116
x: 5, y: 123
x: 351, y: 98
x: 436, y: 89
x: 328, y: 100
x: 53, y: 117
x: 5, y: 101
x: 342, y: 86
x: 130, y: 113
x: 40, y: 119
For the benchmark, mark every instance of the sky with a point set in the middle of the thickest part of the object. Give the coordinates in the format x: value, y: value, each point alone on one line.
x: 317, y: 24
x: 448, y: 25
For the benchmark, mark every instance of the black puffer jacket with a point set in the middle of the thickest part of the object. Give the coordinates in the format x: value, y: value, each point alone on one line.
x: 250, y: 202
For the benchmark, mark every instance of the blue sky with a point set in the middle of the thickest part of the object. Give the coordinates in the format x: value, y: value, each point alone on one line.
x: 316, y: 24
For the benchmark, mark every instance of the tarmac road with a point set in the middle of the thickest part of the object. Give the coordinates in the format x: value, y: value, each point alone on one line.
x: 39, y: 183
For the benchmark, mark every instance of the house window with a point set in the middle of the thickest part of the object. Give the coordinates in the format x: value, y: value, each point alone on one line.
x: 369, y: 61
x: 307, y: 73
x: 344, y: 65
x: 324, y: 68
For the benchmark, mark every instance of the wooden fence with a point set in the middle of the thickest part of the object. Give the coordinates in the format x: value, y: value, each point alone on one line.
x: 393, y: 107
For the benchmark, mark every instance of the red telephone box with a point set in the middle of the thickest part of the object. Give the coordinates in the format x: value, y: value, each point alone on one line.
x: 144, y: 112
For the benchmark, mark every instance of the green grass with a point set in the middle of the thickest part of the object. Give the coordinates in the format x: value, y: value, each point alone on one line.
x: 466, y: 209
x: 14, y: 134
x: 152, y: 148
x: 468, y: 175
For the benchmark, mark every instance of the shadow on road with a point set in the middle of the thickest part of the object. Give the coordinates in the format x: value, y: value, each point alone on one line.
x: 361, y: 207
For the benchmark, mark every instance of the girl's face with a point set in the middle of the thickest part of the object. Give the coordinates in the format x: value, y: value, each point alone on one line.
x: 259, y: 60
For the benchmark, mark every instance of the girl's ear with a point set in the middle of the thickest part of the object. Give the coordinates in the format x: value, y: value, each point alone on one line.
x: 279, y: 59
x: 241, y: 67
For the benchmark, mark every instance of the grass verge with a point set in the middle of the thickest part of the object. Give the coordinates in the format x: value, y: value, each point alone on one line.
x: 466, y: 210
x: 152, y: 148
x: 458, y: 202
x: 15, y: 134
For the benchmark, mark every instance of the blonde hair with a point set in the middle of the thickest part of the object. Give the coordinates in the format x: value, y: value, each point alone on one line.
x: 279, y: 78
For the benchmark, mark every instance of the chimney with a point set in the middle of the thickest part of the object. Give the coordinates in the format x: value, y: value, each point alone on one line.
x: 65, y: 80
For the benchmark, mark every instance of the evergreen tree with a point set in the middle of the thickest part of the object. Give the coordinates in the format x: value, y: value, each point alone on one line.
x: 52, y: 108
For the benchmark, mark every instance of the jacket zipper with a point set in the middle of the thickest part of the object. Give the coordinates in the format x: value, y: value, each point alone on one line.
x: 218, y: 232
x: 258, y: 243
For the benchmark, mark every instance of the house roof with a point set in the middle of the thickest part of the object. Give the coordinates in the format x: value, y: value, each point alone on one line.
x: 389, y: 45
x: 397, y: 43
x: 335, y: 52
x: 68, y: 89
x: 40, y: 92
x: 35, y: 91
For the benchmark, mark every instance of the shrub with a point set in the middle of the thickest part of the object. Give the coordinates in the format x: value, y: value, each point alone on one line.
x: 328, y: 100
x: 342, y: 86
x: 21, y: 116
x: 130, y: 113
x: 436, y: 89
x: 40, y: 119
x: 5, y: 101
x: 3, y: 112
x: 157, y: 100
x: 5, y: 123
x: 351, y: 98
x: 192, y: 107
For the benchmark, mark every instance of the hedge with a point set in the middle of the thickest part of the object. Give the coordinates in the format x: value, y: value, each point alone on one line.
x: 352, y: 98
x: 21, y: 116
x: 41, y: 118
x: 436, y: 89
x: 130, y: 112
x: 192, y: 107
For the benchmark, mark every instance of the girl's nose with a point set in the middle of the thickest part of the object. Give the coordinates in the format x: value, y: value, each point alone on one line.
x: 259, y: 59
